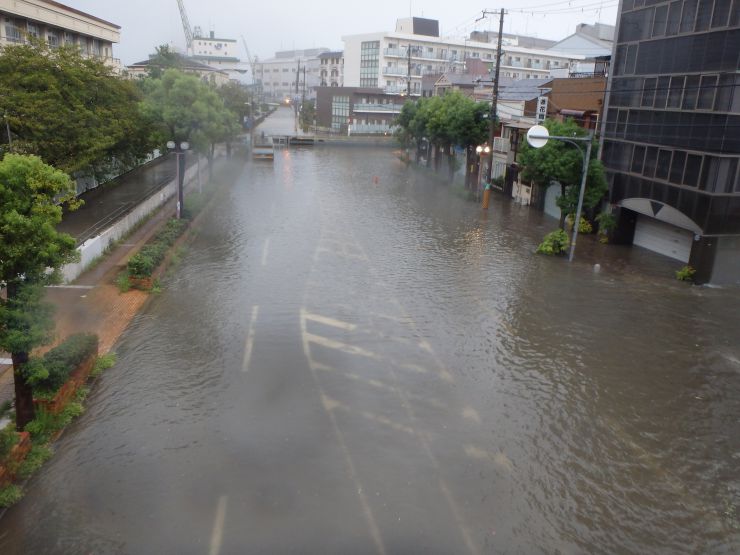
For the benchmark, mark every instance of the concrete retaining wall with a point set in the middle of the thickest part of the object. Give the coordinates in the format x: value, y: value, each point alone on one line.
x: 95, y: 247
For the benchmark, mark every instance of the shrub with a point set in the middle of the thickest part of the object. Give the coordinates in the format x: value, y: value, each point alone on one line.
x: 8, y: 439
x: 143, y: 263
x: 584, y: 227
x: 103, y: 363
x: 555, y: 242
x: 35, y: 459
x: 607, y: 222
x: 122, y: 282
x: 46, y: 424
x: 61, y: 360
x: 685, y: 274
x: 140, y: 265
x: 10, y: 495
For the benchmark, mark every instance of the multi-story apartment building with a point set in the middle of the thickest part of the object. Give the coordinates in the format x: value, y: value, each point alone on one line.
x: 278, y: 74
x: 357, y: 110
x: 58, y: 25
x: 382, y: 59
x: 331, y: 73
x: 671, y: 143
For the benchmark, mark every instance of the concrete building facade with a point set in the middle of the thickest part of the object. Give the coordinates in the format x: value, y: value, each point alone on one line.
x: 279, y: 74
x: 58, y: 25
x: 221, y: 54
x: 671, y: 145
x: 357, y: 110
x: 331, y: 72
x: 382, y: 59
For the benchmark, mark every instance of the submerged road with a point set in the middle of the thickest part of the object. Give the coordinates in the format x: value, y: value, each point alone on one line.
x: 344, y: 366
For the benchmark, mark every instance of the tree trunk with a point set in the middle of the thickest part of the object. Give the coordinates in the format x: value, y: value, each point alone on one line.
x: 228, y: 149
x: 451, y: 162
x: 429, y: 155
x: 24, y: 411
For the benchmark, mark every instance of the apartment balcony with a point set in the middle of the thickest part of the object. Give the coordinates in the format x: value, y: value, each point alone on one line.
x: 374, y: 108
x: 372, y: 129
x: 401, y: 71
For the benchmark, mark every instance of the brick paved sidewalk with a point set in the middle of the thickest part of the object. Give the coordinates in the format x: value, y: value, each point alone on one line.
x: 93, y: 303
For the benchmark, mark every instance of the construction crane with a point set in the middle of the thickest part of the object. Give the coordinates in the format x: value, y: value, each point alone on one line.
x: 257, y: 82
x: 186, y: 25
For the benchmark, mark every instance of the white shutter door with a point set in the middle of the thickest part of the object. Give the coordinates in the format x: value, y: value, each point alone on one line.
x: 663, y: 238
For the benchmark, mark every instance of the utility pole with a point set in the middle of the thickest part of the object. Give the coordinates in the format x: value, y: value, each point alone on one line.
x: 494, y: 98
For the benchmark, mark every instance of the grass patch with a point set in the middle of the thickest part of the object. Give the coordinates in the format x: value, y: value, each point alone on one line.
x: 122, y: 282
x: 45, y: 425
x: 35, y: 459
x: 103, y: 363
x: 10, y: 495
x: 5, y: 408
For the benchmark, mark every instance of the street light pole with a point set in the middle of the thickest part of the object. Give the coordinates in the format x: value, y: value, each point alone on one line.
x: 179, y: 149
x: 537, y: 137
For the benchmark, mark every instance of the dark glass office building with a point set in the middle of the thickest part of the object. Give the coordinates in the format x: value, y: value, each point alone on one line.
x: 671, y: 136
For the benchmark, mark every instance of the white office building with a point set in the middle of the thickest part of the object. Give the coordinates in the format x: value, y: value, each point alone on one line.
x: 278, y: 75
x: 382, y: 59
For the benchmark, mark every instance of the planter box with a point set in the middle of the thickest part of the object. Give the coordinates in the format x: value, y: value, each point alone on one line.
x: 15, y: 458
x: 76, y: 379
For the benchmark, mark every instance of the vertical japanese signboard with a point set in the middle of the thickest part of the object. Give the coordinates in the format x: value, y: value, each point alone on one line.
x: 541, y: 108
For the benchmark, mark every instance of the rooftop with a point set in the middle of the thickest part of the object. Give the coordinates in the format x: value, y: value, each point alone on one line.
x: 79, y: 12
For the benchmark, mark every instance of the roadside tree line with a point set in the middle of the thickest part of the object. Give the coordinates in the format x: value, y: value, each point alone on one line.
x: 440, y: 124
x: 67, y: 116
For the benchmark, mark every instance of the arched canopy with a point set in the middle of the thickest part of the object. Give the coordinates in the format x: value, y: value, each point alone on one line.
x: 661, y: 211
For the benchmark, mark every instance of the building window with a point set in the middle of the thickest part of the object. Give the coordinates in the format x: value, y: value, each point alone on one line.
x: 52, y: 37
x: 339, y: 112
x: 12, y: 31
x: 369, y: 55
x: 32, y: 29
x: 707, y: 92
x: 69, y: 39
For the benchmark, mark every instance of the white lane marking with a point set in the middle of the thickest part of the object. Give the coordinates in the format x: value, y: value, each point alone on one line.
x: 338, y: 345
x: 249, y: 344
x: 4, y: 361
x: 217, y: 535
x: 265, y: 251
x: 328, y: 321
x: 329, y: 406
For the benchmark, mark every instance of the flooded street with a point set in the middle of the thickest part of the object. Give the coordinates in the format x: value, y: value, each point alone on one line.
x: 344, y: 366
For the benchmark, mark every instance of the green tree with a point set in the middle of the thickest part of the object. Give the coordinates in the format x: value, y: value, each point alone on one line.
x: 562, y: 162
x: 70, y: 110
x: 447, y: 121
x: 183, y: 108
x: 308, y: 115
x: 30, y: 193
x: 164, y: 58
x: 237, y: 99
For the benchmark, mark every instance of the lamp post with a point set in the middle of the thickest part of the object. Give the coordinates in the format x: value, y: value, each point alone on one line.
x: 179, y: 149
x: 480, y: 150
x: 537, y: 137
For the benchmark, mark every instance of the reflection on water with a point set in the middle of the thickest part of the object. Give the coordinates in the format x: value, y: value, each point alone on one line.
x: 419, y: 381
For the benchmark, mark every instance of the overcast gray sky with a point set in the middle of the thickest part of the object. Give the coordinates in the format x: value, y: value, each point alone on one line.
x: 286, y: 24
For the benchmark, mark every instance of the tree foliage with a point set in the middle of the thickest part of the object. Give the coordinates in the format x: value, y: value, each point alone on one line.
x: 30, y: 245
x: 70, y: 110
x: 445, y: 121
x: 183, y: 108
x: 562, y: 162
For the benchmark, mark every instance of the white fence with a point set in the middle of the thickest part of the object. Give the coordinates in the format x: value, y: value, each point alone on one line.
x: 95, y: 247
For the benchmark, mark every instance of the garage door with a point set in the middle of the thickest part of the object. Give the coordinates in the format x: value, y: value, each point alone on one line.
x: 663, y: 238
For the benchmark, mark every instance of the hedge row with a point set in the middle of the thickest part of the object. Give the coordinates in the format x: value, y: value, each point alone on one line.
x: 60, y: 361
x: 143, y: 263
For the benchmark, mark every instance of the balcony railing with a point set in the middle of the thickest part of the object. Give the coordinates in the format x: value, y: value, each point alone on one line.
x: 373, y: 129
x: 372, y: 107
x: 398, y: 71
